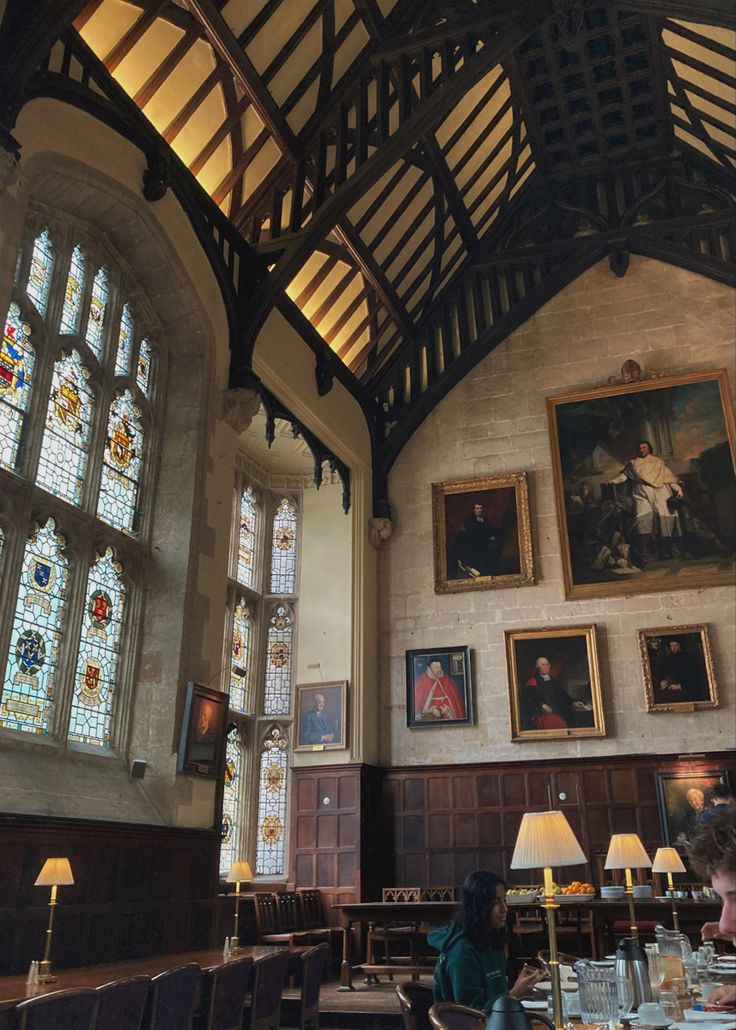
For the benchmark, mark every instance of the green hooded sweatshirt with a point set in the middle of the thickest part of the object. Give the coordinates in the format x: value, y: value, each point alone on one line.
x: 464, y: 974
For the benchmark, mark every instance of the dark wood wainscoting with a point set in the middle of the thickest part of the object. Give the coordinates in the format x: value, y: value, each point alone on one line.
x: 138, y: 891
x: 443, y: 822
x: 337, y: 832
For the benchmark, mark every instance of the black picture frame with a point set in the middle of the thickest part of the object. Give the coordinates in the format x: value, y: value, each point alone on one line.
x: 203, y: 728
x: 678, y: 808
x: 450, y: 701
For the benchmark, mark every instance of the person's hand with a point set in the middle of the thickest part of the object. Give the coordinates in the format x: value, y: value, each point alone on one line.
x: 723, y: 995
x: 527, y: 979
x: 709, y: 932
x: 436, y: 712
x: 546, y: 708
x: 677, y: 490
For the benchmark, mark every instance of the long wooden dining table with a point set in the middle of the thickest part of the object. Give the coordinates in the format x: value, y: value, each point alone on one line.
x: 14, y: 989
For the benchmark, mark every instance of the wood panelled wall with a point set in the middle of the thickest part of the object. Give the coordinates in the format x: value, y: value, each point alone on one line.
x: 443, y: 822
x: 138, y: 890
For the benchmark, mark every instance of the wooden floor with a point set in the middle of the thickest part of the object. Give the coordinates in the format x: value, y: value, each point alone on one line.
x: 372, y: 1008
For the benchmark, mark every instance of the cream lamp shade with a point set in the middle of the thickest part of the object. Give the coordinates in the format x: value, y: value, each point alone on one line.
x: 626, y: 851
x: 546, y: 839
x: 667, y: 860
x: 56, y: 872
x: 239, y: 871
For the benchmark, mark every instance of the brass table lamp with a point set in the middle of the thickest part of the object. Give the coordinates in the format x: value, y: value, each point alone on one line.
x: 239, y: 871
x: 56, y: 872
x: 627, y: 852
x: 546, y: 840
x: 668, y: 861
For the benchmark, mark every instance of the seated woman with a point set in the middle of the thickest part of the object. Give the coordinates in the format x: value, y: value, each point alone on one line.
x: 471, y: 969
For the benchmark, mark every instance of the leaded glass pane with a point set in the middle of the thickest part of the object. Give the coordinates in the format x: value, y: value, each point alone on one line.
x: 271, y: 846
x: 143, y: 368
x: 73, y: 292
x: 17, y: 358
x: 277, y: 695
x: 231, y: 801
x: 99, y: 651
x: 96, y: 316
x: 28, y: 693
x: 121, y: 463
x: 125, y: 342
x: 247, y: 537
x: 63, y: 459
x: 283, y: 548
x: 240, y: 656
x: 39, y: 277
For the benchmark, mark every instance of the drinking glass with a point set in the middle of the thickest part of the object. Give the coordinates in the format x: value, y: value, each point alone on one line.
x: 670, y: 1003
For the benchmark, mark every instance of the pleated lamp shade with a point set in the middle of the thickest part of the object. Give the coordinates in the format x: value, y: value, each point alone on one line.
x: 239, y: 871
x: 667, y: 860
x: 546, y: 839
x: 56, y: 872
x: 626, y: 851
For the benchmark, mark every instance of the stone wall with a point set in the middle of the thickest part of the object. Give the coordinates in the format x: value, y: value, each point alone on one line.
x: 495, y: 421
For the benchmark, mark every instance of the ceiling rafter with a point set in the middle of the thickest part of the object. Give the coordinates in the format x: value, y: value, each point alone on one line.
x: 709, y: 12
x: 135, y: 33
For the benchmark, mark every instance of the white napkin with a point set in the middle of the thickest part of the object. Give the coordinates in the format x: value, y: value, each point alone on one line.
x: 721, y: 1018
x: 534, y: 1005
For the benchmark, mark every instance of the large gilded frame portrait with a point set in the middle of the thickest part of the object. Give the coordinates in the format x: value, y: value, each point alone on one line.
x: 554, y: 684
x: 645, y: 485
x: 482, y: 533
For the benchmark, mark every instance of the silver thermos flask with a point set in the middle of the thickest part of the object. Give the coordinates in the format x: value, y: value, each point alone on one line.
x: 631, y: 962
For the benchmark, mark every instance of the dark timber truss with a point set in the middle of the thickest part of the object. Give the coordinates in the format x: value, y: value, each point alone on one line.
x: 408, y: 187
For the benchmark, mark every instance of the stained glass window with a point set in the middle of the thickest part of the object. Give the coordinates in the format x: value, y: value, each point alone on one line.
x: 247, y: 537
x: 270, y: 847
x: 121, y: 463
x: 277, y: 697
x: 99, y: 651
x: 125, y: 342
x: 17, y: 358
x: 42, y: 265
x: 240, y: 656
x: 283, y: 549
x: 143, y: 368
x: 73, y: 292
x: 231, y: 801
x: 63, y: 459
x: 96, y: 316
x: 28, y: 692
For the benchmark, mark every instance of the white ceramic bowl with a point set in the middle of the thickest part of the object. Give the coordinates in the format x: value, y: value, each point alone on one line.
x: 642, y: 890
x: 527, y: 898
x: 612, y: 893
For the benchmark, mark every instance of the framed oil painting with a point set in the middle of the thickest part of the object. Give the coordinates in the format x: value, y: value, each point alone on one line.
x: 682, y: 797
x: 645, y: 485
x: 554, y: 684
x: 438, y: 687
x: 678, y: 669
x: 320, y: 716
x: 482, y: 534
x: 202, y: 740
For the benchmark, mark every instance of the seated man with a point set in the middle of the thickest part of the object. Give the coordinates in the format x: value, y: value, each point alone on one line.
x: 713, y: 853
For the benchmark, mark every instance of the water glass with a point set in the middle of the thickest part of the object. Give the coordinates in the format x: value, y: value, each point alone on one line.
x: 670, y: 1003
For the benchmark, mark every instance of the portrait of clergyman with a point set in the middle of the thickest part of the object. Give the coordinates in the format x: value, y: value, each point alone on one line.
x: 554, y: 684
x: 678, y: 669
x: 482, y: 537
x: 320, y: 716
x: 645, y: 485
x: 438, y: 688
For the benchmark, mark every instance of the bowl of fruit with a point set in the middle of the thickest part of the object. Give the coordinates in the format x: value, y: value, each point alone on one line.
x: 576, y: 891
x: 522, y: 895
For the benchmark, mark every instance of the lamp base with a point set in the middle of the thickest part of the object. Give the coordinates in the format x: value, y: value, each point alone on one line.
x: 234, y: 943
x: 45, y: 976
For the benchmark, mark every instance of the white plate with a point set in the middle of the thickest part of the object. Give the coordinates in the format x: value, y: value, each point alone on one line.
x: 540, y: 1006
x: 527, y: 898
x: 663, y: 897
x: 574, y: 897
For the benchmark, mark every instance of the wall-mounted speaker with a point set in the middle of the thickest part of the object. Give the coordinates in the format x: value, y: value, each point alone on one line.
x: 138, y: 768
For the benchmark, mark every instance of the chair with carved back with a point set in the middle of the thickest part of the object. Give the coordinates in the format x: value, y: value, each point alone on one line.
x: 437, y: 894
x: 60, y: 1010
x: 415, y: 999
x: 404, y: 935
x: 291, y: 918
x: 269, y: 917
x: 313, y: 921
x: 122, y: 1003
x: 446, y: 1015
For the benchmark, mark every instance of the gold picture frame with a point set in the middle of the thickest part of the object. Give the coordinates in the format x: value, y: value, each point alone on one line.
x: 554, y: 684
x: 482, y: 533
x: 621, y: 534
x: 677, y: 665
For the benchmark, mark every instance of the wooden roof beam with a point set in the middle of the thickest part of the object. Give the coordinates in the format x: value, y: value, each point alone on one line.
x: 708, y: 12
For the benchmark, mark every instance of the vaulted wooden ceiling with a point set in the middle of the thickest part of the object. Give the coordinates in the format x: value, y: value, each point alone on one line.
x: 408, y: 180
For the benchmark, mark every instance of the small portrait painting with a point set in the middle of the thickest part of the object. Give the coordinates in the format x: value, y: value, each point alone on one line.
x: 684, y: 799
x: 320, y: 716
x: 203, y: 731
x: 554, y: 684
x: 438, y: 688
x: 482, y: 536
x: 678, y: 669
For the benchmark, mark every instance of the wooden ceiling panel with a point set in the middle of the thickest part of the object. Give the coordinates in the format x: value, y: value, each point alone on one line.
x: 210, y: 114
x: 147, y: 54
x: 180, y: 85
x: 304, y: 107
x: 107, y: 26
x: 294, y: 67
x: 239, y: 14
x: 349, y: 51
x: 215, y: 171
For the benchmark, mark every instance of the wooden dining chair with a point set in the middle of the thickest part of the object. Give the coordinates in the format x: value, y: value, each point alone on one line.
x: 270, y: 922
x: 172, y: 998
x: 391, y: 933
x: 121, y: 1004
x: 269, y: 974
x: 225, y: 992
x: 446, y: 1015
x: 61, y: 1010
x: 303, y: 1012
x: 415, y: 999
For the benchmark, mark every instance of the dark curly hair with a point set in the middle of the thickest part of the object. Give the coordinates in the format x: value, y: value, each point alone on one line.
x: 713, y: 848
x: 473, y: 915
